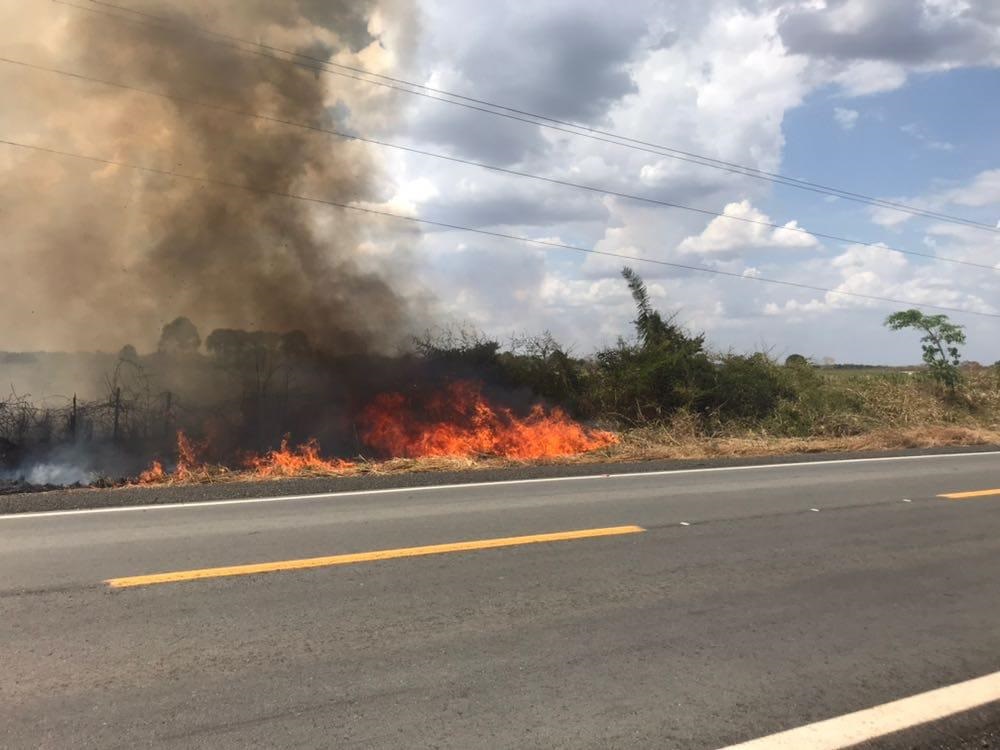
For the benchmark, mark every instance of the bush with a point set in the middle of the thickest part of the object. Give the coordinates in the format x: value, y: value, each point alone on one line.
x: 796, y: 360
x: 542, y: 365
x: 749, y: 388
x: 639, y: 384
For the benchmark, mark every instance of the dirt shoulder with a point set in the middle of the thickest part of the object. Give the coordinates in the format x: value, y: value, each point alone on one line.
x: 435, y: 474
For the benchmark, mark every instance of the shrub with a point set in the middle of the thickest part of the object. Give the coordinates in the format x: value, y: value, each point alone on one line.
x: 748, y: 388
x: 542, y: 365
x: 796, y: 360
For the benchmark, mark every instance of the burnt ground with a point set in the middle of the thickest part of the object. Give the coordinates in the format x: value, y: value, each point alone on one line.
x: 18, y: 497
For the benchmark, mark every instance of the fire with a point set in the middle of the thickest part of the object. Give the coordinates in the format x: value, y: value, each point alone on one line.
x: 459, y: 421
x: 188, y: 464
x: 154, y: 474
x: 290, y: 462
x: 287, y: 461
x: 187, y: 457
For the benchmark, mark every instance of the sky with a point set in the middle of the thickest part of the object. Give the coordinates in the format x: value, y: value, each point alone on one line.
x: 898, y: 99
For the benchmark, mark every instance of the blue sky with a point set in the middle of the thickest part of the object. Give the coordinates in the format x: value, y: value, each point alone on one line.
x: 954, y: 110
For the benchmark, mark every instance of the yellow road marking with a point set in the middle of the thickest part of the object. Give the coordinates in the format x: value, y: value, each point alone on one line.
x: 358, y: 557
x: 966, y: 495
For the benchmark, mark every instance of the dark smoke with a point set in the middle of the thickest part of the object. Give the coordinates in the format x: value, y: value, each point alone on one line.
x: 106, y: 256
x: 309, y: 304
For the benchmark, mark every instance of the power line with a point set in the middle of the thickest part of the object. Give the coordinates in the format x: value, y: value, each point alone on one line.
x: 495, y: 168
x: 485, y: 232
x: 536, y: 119
x: 621, y: 140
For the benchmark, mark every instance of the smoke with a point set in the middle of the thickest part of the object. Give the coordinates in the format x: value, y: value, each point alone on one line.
x: 52, y: 474
x: 97, y: 256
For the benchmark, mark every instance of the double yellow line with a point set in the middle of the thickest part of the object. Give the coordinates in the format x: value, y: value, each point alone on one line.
x: 359, y: 557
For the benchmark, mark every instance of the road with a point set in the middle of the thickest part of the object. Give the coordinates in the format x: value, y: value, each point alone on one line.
x: 691, y: 609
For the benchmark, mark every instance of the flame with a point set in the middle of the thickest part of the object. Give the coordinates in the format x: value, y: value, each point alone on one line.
x: 290, y: 462
x: 459, y: 421
x: 154, y: 474
x: 188, y: 462
x: 286, y: 462
x: 187, y: 467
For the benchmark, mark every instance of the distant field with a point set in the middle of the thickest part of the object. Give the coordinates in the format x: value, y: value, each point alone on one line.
x: 846, y: 371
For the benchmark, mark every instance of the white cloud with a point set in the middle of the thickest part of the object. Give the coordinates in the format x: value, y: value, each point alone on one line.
x: 846, y: 118
x: 914, y: 130
x: 983, y: 190
x: 866, y: 77
x: 726, y: 235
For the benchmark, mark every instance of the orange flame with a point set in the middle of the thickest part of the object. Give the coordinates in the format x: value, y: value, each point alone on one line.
x: 154, y: 474
x: 290, y: 462
x: 187, y: 457
x: 455, y: 421
x: 285, y: 462
x: 188, y: 464
x: 459, y: 421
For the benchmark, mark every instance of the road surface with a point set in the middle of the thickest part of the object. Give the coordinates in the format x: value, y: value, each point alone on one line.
x: 696, y: 609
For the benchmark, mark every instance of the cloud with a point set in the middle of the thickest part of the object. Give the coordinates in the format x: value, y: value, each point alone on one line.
x: 715, y: 78
x: 561, y: 59
x: 876, y: 271
x: 914, y: 130
x: 724, y: 236
x: 983, y: 190
x: 908, y: 32
x: 846, y: 118
x: 867, y: 47
x: 863, y: 77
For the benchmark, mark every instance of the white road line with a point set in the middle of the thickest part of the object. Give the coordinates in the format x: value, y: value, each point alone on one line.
x: 872, y: 723
x: 474, y: 485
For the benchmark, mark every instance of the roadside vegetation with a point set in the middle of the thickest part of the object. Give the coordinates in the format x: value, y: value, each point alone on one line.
x: 661, y: 390
x: 670, y: 395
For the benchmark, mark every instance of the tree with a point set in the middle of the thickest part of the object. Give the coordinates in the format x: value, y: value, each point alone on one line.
x: 652, y: 329
x: 796, y: 360
x: 179, y: 337
x: 664, y: 370
x: 940, y: 342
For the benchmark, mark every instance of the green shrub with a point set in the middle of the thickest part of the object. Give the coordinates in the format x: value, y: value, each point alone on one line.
x: 748, y: 388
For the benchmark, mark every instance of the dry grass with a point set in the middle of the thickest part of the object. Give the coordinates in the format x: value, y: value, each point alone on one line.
x: 860, y: 413
x: 640, y: 445
x: 652, y: 444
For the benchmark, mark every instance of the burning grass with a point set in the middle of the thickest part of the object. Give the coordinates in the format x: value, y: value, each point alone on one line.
x: 645, y: 444
x: 454, y: 427
x: 459, y: 421
x: 458, y: 428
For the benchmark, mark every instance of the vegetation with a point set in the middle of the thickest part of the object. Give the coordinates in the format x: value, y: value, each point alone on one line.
x: 940, y: 343
x: 664, y: 376
x: 661, y: 388
x: 179, y: 336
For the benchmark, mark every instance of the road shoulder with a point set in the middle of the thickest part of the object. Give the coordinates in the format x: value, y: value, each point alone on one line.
x: 74, y: 499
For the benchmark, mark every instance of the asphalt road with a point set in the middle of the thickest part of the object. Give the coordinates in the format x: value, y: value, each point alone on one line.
x: 754, y: 600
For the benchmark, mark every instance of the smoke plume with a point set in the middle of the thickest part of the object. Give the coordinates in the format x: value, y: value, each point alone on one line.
x: 96, y: 256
